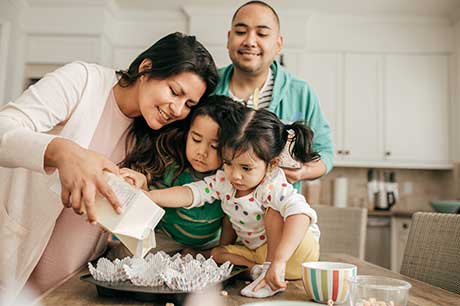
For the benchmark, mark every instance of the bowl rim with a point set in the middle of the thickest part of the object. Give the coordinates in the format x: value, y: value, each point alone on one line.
x: 402, y: 283
x: 445, y: 202
x: 332, y: 265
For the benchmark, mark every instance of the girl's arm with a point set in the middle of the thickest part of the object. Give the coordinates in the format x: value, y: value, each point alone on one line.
x: 179, y: 196
x: 294, y: 230
x: 190, y: 195
x: 297, y: 215
x: 228, y: 235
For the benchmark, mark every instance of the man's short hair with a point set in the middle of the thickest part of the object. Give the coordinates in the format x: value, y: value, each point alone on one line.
x: 258, y: 3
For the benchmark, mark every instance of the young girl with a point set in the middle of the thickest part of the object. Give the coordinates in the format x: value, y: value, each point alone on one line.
x: 196, y: 157
x: 253, y: 189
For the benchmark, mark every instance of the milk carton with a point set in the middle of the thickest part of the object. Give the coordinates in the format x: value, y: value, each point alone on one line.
x: 134, y: 227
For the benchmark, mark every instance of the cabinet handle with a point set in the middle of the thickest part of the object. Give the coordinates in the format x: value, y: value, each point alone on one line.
x: 405, y: 226
x: 347, y: 152
x: 339, y: 151
x: 387, y: 153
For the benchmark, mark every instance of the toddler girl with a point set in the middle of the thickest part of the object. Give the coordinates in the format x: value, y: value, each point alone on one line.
x: 253, y: 189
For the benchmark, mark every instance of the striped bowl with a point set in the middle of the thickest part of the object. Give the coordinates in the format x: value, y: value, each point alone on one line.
x: 324, y: 281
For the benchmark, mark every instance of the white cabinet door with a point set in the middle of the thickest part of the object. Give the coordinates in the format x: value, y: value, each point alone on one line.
x: 322, y: 71
x: 384, y: 110
x: 416, y: 108
x: 363, y: 141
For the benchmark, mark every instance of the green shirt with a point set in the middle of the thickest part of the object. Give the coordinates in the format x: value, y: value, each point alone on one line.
x: 292, y: 100
x: 190, y: 227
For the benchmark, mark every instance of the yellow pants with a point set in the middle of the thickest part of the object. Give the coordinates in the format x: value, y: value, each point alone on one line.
x: 308, y: 250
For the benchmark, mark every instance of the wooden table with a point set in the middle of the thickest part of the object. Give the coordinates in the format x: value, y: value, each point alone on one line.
x: 75, y: 292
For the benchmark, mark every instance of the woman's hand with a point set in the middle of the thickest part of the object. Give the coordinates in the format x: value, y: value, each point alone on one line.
x: 135, y: 178
x: 81, y: 176
x: 274, y: 277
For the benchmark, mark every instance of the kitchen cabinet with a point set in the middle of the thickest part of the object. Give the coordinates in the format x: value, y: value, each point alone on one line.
x: 416, y: 109
x: 323, y: 73
x: 349, y: 88
x: 384, y: 110
x: 362, y: 137
x: 400, y: 228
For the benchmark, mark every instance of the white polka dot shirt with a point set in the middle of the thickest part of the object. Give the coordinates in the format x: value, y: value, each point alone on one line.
x: 246, y: 213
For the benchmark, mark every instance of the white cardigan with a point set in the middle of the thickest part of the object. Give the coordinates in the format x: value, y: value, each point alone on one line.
x: 67, y: 103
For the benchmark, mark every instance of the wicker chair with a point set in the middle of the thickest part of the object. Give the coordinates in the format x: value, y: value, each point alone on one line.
x: 432, y: 252
x: 343, y: 230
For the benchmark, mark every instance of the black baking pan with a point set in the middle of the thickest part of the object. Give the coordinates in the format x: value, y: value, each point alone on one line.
x: 148, y: 294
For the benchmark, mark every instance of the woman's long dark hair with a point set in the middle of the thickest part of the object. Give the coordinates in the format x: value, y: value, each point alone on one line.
x: 261, y: 131
x: 149, y: 151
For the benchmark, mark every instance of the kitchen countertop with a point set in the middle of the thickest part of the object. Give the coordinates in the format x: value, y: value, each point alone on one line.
x: 74, y: 292
x: 391, y: 213
x: 401, y: 213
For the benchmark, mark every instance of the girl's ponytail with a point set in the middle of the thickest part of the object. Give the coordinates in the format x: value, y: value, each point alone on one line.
x: 263, y: 132
x: 300, y: 147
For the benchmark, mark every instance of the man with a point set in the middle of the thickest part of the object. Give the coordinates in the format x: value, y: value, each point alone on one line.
x: 256, y: 79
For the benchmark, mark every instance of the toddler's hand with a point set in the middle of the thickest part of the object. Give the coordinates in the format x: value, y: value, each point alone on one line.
x: 135, y: 178
x: 274, y: 277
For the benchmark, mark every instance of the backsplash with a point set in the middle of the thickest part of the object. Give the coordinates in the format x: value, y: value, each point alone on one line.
x: 416, y: 187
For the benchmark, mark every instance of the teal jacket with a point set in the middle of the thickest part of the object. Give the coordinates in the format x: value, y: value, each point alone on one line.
x: 293, y: 100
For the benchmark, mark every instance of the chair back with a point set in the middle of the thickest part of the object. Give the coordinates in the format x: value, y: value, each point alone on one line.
x: 432, y: 252
x: 343, y: 230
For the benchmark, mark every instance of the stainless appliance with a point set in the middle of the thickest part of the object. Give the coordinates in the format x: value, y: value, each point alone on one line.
x: 378, y: 241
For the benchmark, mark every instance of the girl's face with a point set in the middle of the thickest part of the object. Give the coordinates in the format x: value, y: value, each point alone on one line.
x: 162, y: 102
x: 245, y: 171
x: 201, y: 146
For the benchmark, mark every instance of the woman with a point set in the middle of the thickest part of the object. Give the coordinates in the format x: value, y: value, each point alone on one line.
x: 77, y: 120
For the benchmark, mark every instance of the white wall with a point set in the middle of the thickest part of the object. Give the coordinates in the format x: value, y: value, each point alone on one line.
x: 104, y: 33
x: 455, y: 103
x: 11, y: 37
x: 4, y: 43
x: 131, y: 32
